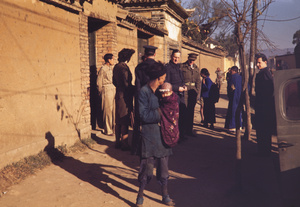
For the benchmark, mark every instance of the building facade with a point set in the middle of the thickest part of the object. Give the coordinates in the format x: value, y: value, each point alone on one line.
x: 51, y: 51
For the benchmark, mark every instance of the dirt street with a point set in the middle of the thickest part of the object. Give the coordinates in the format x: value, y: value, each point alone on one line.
x: 202, y: 174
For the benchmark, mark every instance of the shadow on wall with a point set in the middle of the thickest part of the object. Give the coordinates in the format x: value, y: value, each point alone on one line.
x: 95, y: 100
x: 97, y: 175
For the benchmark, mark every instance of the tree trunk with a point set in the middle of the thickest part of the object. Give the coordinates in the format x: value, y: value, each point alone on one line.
x: 253, y: 45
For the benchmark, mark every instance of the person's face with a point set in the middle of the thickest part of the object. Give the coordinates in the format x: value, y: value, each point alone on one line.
x: 111, y: 61
x: 162, y: 79
x: 261, y: 64
x: 232, y: 72
x: 191, y: 62
x: 202, y: 75
x: 175, y: 58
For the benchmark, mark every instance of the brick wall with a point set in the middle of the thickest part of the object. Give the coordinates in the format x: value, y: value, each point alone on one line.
x: 106, y: 42
x: 84, y: 124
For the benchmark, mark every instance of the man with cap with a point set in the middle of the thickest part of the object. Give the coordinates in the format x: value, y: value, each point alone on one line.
x: 141, y: 79
x: 191, y: 76
x: 175, y: 77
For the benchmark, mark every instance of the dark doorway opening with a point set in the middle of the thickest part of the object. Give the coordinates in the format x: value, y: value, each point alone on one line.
x: 94, y: 25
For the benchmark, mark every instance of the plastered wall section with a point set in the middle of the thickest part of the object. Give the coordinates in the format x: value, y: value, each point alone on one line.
x: 41, y: 78
x: 159, y: 42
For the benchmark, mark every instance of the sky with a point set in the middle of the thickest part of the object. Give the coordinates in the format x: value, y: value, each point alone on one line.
x: 279, y: 32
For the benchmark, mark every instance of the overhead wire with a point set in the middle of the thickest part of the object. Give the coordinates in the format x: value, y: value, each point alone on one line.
x: 282, y: 20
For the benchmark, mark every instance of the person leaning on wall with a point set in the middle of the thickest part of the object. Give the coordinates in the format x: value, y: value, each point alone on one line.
x: 107, y: 92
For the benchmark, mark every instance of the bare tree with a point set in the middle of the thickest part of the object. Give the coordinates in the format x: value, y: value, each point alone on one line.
x: 240, y: 14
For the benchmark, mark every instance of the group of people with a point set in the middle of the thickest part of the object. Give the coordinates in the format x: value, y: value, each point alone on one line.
x: 163, y: 111
x: 265, y: 120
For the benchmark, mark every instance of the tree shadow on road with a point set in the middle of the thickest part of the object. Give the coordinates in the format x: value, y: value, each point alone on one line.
x: 95, y: 174
x: 207, y: 166
x: 131, y: 161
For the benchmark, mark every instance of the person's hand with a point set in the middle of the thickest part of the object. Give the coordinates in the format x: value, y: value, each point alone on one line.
x: 182, y: 88
x: 203, y: 80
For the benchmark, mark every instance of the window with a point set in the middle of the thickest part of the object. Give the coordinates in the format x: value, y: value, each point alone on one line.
x: 292, y: 99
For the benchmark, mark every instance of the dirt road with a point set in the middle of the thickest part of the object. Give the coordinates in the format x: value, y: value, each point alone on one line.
x: 202, y: 174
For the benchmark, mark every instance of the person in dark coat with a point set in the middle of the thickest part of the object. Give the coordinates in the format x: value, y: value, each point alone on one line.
x: 191, y: 76
x: 264, y: 106
x: 175, y: 77
x: 153, y: 149
x: 122, y: 78
x: 234, y: 95
x: 209, y: 109
x: 141, y: 79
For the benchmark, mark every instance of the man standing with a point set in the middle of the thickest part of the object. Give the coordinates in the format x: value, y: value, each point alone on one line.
x: 141, y: 79
x: 107, y: 91
x: 234, y: 95
x: 264, y: 106
x: 175, y: 77
x: 191, y: 76
x: 219, y: 79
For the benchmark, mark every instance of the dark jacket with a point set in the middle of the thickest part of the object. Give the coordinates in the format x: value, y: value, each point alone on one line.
x: 175, y: 77
x: 152, y: 145
x: 191, y: 77
x: 122, y: 78
x: 141, y: 78
x: 206, y: 87
x: 264, y: 100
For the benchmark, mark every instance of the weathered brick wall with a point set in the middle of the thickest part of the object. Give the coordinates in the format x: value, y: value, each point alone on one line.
x: 106, y: 42
x: 127, y: 38
x: 204, y: 60
x: 85, y: 110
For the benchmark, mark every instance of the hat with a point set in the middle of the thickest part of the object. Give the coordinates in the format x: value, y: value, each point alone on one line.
x: 155, y: 70
x: 192, y: 56
x: 149, y: 49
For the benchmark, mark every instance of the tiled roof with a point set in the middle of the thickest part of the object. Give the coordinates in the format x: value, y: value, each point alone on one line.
x: 176, y: 7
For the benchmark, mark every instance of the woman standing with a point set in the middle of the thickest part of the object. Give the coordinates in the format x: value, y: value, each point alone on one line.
x: 122, y: 78
x: 209, y: 105
x: 152, y: 149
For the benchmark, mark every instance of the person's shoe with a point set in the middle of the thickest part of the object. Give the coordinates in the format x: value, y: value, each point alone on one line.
x: 139, y: 201
x: 205, y: 125
x: 212, y: 126
x: 168, y: 201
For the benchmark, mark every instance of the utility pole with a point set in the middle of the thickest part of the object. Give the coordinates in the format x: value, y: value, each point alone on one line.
x: 253, y: 43
x: 251, y: 68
